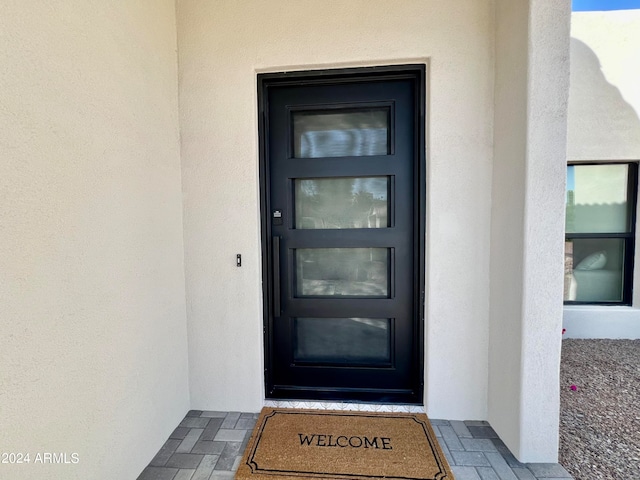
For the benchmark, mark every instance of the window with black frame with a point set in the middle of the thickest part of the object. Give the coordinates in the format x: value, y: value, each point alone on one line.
x: 600, y: 233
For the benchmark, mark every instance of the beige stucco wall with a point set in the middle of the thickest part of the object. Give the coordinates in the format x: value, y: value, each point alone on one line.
x: 604, y: 101
x: 532, y: 83
x: 94, y: 343
x: 604, y: 125
x: 548, y: 87
x: 93, y: 339
x: 507, y: 218
x: 223, y: 45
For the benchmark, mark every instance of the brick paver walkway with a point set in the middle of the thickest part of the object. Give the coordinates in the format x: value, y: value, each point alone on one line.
x: 209, y: 446
x: 475, y: 452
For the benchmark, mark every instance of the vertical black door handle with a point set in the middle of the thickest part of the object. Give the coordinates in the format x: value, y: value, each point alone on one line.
x: 275, y: 245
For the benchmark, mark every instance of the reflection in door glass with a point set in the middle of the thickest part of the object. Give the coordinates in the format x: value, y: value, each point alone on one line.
x: 352, y: 272
x: 347, y: 133
x: 341, y: 202
x: 342, y: 340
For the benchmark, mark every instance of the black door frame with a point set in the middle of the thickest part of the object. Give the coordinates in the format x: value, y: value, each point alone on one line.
x: 416, y: 72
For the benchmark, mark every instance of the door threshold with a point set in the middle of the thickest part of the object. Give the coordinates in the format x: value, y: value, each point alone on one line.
x: 344, y: 406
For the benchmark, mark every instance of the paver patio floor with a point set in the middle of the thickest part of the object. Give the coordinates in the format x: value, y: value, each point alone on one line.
x: 209, y: 446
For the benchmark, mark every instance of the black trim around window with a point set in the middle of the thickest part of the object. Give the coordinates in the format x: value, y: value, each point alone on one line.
x: 628, y: 238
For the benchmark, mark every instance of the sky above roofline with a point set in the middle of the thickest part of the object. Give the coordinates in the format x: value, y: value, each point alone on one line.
x: 599, y: 5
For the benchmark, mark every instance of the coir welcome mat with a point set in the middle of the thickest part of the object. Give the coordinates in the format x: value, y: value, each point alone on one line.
x: 295, y: 444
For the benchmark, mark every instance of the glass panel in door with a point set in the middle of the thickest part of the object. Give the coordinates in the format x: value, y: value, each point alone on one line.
x: 341, y: 133
x: 331, y: 203
x: 342, y: 272
x: 362, y: 341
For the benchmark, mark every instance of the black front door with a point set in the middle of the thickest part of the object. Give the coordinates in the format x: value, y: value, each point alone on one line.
x: 342, y: 181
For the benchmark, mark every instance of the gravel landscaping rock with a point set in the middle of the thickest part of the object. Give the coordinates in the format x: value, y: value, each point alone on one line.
x: 600, y: 420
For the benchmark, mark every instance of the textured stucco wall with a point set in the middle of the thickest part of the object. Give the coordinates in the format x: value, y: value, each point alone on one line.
x: 548, y: 84
x: 93, y: 338
x: 604, y: 100
x: 532, y: 82
x: 222, y: 45
x: 604, y: 125
x: 507, y: 214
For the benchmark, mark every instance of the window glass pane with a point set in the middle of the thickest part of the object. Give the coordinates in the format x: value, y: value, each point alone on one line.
x: 341, y: 202
x: 351, y: 272
x: 594, y: 270
x: 597, y: 199
x: 342, y: 340
x: 346, y: 133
